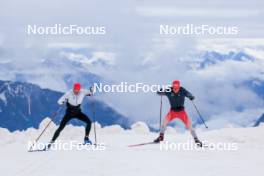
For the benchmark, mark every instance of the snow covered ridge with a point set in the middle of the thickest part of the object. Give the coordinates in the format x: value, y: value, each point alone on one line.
x: 139, y: 129
x: 70, y: 132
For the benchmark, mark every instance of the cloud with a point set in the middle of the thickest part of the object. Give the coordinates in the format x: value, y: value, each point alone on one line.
x: 235, y: 119
x: 97, y: 57
x: 257, y: 53
x: 218, y: 88
x: 197, y: 12
x: 72, y: 45
x: 225, y: 45
x: 137, y: 53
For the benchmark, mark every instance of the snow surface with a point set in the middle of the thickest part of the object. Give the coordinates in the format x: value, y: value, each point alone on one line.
x: 119, y: 159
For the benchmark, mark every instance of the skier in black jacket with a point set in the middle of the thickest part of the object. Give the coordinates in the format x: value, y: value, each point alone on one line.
x: 176, y: 95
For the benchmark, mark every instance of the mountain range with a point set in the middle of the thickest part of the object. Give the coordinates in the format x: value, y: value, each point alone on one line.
x: 24, y: 105
x: 58, y: 72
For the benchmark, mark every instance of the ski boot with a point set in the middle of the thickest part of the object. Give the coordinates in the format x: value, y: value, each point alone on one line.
x: 198, y: 142
x: 87, y: 141
x: 47, y: 147
x: 160, y: 138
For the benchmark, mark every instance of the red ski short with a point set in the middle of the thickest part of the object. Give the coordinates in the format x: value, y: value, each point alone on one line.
x: 179, y: 114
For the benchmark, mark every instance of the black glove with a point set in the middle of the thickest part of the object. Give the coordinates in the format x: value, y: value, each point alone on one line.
x: 92, y: 91
x: 160, y: 92
x: 192, y: 98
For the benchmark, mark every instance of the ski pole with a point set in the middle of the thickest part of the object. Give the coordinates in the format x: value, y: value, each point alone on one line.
x: 52, y: 117
x: 95, y: 139
x: 94, y: 119
x: 160, y: 112
x: 199, y: 114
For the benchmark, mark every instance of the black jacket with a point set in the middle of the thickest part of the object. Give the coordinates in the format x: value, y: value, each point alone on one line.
x: 176, y: 99
x: 72, y: 109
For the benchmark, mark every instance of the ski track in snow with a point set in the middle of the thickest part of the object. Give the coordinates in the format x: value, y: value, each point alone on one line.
x: 119, y: 159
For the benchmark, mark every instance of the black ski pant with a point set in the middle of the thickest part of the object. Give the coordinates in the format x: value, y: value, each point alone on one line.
x: 67, y: 117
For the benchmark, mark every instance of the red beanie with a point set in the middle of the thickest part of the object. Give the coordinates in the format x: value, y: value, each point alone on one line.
x: 176, y: 84
x: 77, y: 86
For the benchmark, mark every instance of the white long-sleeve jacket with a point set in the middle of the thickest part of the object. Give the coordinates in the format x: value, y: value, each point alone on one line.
x: 73, y: 99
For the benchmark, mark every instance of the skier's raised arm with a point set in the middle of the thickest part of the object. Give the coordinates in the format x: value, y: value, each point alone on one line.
x: 88, y: 92
x: 64, y: 98
x: 188, y: 94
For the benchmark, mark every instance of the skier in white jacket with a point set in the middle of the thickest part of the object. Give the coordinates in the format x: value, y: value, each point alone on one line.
x: 73, y: 100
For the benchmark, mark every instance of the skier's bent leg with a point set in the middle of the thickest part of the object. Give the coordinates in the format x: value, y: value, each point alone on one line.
x: 88, y: 122
x: 188, y: 124
x: 193, y: 133
x: 164, y: 125
x: 163, y: 128
x: 63, y: 123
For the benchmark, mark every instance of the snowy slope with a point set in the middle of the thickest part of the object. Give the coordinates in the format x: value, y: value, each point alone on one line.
x: 118, y: 159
